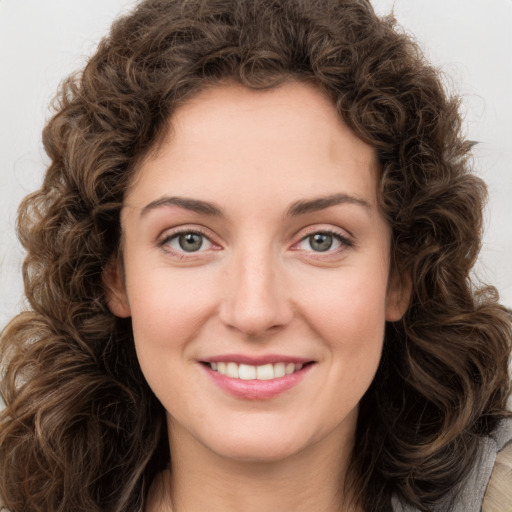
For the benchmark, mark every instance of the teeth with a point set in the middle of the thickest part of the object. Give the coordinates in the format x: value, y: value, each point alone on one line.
x: 232, y: 370
x: 290, y: 368
x: 280, y: 369
x: 246, y: 372
x: 266, y: 372
x: 249, y: 372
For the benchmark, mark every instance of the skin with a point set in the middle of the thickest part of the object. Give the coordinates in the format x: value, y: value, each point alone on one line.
x: 257, y: 286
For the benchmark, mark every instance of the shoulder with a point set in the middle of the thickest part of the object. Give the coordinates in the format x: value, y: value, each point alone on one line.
x: 487, y: 488
x: 479, y: 488
x: 498, y: 495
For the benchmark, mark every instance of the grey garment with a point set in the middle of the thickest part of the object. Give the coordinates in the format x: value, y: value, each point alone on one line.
x: 470, y: 496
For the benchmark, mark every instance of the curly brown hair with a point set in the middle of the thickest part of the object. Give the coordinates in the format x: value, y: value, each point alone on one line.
x: 81, y: 429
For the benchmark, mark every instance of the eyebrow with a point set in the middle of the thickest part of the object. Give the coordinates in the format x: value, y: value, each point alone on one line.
x: 194, y: 205
x: 297, y: 208
x: 321, y: 203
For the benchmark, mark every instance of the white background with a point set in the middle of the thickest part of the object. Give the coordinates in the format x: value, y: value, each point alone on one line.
x: 43, y: 41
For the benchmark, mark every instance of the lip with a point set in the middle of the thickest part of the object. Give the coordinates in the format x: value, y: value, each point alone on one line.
x: 257, y: 389
x: 256, y: 360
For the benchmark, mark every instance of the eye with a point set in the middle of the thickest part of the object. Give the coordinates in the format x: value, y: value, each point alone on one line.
x: 322, y: 241
x: 187, y: 241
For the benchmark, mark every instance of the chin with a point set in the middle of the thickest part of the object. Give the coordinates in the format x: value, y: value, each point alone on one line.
x: 261, y: 443
x: 258, y: 452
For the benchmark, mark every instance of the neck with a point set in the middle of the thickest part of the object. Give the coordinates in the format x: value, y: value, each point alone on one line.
x: 200, y: 479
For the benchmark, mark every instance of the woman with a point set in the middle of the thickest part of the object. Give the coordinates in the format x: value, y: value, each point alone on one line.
x: 248, y: 273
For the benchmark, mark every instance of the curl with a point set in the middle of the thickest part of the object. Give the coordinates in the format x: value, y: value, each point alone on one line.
x: 81, y: 429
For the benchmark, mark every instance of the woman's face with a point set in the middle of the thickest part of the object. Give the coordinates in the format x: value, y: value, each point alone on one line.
x: 256, y: 272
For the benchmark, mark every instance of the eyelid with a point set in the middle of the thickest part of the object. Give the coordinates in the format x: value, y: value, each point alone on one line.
x: 340, y: 233
x: 172, y: 233
x: 347, y: 241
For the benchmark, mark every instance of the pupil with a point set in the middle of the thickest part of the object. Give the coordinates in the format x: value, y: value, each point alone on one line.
x: 191, y: 242
x: 320, y: 242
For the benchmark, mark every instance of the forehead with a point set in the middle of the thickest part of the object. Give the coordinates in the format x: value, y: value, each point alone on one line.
x: 231, y: 138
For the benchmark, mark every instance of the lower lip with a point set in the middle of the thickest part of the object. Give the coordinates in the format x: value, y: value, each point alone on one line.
x: 257, y: 389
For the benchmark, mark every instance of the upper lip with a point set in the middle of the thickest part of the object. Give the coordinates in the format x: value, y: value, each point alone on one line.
x: 256, y: 360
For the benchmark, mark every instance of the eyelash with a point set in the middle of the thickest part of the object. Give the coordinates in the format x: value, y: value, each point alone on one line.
x: 343, y: 240
x: 163, y: 244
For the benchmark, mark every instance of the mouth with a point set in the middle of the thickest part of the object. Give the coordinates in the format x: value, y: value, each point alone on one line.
x: 266, y: 378
x: 269, y: 371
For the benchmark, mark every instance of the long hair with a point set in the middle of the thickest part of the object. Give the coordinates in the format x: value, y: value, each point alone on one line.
x: 81, y: 429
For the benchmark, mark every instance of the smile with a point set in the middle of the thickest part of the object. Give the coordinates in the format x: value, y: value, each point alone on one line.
x: 249, y: 372
x: 266, y: 378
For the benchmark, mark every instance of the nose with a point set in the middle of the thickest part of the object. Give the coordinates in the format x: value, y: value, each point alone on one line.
x: 255, y: 296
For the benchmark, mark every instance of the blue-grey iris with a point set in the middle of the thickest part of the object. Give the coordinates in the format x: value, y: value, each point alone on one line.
x: 190, y: 242
x: 321, y: 242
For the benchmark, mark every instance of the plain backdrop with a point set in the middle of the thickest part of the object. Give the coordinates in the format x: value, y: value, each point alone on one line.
x: 43, y: 41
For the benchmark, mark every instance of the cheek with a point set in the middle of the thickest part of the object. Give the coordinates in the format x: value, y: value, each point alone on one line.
x: 348, y: 315
x: 166, y: 301
x: 351, y: 328
x: 347, y: 300
x: 165, y: 319
x: 168, y: 310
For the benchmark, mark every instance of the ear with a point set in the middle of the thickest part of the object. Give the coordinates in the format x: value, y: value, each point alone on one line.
x: 398, y: 296
x: 115, y: 289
